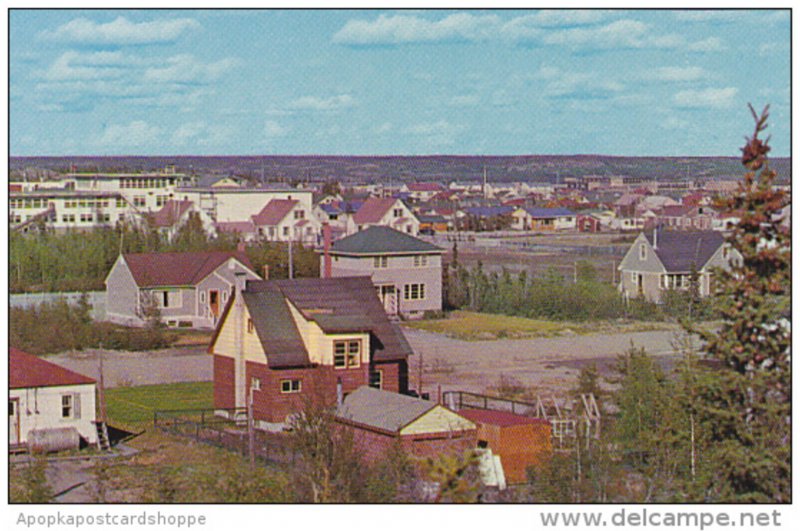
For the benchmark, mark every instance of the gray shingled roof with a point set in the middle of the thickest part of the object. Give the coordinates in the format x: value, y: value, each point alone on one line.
x: 679, y: 250
x: 382, y: 409
x: 276, y: 329
x: 337, y: 305
x: 382, y: 240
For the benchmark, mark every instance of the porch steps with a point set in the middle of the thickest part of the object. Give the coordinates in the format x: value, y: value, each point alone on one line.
x: 103, y: 442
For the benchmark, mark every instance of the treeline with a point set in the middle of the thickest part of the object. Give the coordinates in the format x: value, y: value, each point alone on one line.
x: 53, y: 327
x: 551, y: 296
x: 80, y: 260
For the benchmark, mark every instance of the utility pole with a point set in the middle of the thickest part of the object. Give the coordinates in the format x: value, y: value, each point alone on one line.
x: 251, y: 434
x: 291, y: 259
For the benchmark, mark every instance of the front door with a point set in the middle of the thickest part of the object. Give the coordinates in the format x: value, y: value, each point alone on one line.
x: 388, y: 296
x: 13, y: 421
x: 213, y: 303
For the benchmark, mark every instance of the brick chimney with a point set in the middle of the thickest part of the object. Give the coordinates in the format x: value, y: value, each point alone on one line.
x: 326, y: 243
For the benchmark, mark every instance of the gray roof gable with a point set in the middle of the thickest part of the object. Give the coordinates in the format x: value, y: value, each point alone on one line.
x: 382, y: 240
x: 276, y: 329
x: 382, y: 409
x: 680, y: 251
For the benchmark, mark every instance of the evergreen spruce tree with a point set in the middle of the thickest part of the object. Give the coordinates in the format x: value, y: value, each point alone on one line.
x: 745, y: 406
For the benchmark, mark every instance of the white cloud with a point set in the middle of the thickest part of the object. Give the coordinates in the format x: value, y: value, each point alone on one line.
x: 273, y: 129
x: 136, y: 133
x: 711, y: 44
x: 673, y: 123
x: 625, y: 33
x: 678, y: 73
x: 709, y: 16
x: 534, y: 26
x: 404, y: 29
x: 121, y: 31
x: 711, y: 98
x: 440, y: 132
x: 73, y: 65
x: 93, y: 77
x: 185, y: 68
x: 569, y: 83
x: 467, y: 100
x: 314, y: 103
x: 384, y: 128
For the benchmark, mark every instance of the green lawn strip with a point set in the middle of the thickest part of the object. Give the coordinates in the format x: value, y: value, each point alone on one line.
x: 135, y: 405
x: 476, y: 326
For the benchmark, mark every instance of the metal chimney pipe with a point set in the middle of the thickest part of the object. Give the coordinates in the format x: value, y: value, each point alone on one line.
x: 655, y: 237
x: 339, y: 392
x: 326, y: 238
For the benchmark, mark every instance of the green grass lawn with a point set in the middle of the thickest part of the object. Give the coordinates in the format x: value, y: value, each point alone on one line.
x: 473, y: 326
x: 134, y: 406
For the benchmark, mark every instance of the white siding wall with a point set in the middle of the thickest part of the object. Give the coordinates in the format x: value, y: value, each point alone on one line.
x: 40, y: 408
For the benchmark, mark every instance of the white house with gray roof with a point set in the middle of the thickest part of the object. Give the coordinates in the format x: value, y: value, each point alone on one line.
x: 406, y: 271
x: 661, y: 260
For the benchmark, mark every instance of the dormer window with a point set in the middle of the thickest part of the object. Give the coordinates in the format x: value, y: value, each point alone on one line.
x: 346, y: 354
x: 642, y: 251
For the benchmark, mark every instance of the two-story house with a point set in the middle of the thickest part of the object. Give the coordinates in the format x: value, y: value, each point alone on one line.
x: 387, y: 212
x: 406, y: 271
x: 661, y: 260
x: 283, y: 220
x: 281, y: 343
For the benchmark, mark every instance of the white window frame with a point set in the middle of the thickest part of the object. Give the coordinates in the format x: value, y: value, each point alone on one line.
x: 170, y: 296
x: 380, y: 262
x: 352, y: 359
x: 642, y: 251
x: 70, y: 406
x: 379, y: 373
x: 414, y: 292
x: 294, y: 386
x: 255, y: 383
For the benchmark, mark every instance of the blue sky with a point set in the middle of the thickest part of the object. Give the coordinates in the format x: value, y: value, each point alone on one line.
x: 352, y: 82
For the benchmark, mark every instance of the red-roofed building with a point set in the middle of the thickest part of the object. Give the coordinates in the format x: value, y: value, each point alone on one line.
x: 188, y: 289
x: 282, y: 220
x: 421, y: 191
x: 388, y: 212
x: 174, y: 215
x: 43, y: 396
x: 520, y: 441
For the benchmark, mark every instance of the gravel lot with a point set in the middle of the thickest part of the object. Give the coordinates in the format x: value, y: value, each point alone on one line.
x: 550, y: 364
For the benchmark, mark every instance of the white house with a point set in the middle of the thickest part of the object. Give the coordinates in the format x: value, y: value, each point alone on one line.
x: 43, y: 396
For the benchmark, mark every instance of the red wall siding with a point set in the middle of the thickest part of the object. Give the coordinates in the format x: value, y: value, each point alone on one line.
x: 223, y: 382
x: 373, y: 445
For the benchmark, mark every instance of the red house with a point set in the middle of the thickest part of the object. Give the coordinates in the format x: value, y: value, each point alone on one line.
x: 282, y: 342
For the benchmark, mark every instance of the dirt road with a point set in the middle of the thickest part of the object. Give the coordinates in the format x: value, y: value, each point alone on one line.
x: 547, y: 363
x: 141, y: 368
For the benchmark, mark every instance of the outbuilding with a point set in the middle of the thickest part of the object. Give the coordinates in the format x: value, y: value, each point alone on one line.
x: 381, y: 419
x: 520, y: 441
x: 46, y: 399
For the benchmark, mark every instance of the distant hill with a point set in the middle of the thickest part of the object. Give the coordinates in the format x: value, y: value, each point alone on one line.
x: 442, y: 168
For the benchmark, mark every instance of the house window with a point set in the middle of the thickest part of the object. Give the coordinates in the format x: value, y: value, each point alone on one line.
x: 224, y: 297
x: 409, y: 228
x: 346, y: 354
x: 70, y: 406
x: 290, y: 386
x: 380, y: 261
x: 642, y: 251
x: 634, y: 277
x: 255, y: 383
x: 299, y: 214
x: 250, y: 327
x: 202, y: 297
x: 139, y: 200
x: 286, y: 231
x: 414, y: 292
x: 420, y: 260
x: 376, y: 379
x: 169, y: 299
x: 397, y: 212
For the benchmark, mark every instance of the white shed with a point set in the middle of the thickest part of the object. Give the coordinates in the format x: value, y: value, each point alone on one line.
x: 46, y: 397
